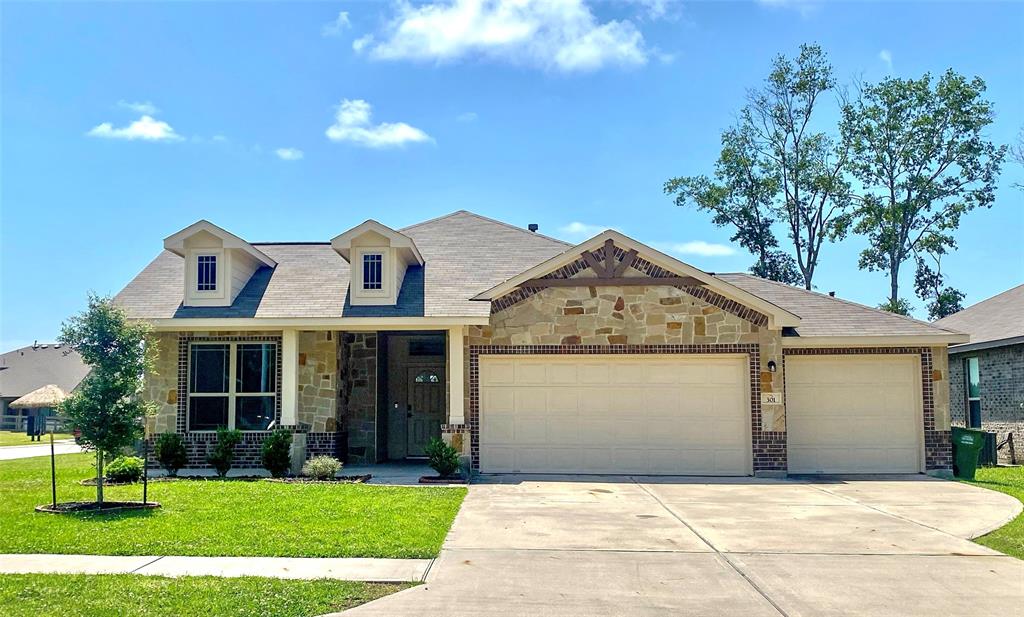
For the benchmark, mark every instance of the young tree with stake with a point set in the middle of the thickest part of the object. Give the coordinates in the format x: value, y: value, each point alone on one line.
x: 106, y: 408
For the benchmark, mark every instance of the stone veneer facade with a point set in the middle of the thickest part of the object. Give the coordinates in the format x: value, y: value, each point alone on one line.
x: 358, y: 395
x: 653, y: 319
x: 1001, y: 370
x: 664, y: 319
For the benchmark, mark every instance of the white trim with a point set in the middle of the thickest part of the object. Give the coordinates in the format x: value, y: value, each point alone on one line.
x: 211, y: 297
x: 342, y: 243
x: 777, y: 317
x: 175, y: 243
x: 872, y: 341
x: 456, y: 376
x: 368, y: 324
x: 981, y: 345
x: 289, y: 377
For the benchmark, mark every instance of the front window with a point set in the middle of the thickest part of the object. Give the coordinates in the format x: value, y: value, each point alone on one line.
x: 373, y: 270
x: 206, y: 276
x: 232, y: 385
x: 972, y: 374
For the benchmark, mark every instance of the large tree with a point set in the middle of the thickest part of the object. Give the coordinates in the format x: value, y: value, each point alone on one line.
x: 106, y: 407
x: 929, y: 284
x: 919, y: 153
x: 775, y: 167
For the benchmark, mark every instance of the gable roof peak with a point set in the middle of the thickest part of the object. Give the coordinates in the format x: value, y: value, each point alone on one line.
x: 175, y: 242
x: 342, y: 243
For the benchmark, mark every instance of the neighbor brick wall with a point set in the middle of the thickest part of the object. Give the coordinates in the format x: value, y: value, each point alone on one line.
x: 1001, y: 370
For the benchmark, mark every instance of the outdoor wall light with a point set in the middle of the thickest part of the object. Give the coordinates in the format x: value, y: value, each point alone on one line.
x: 771, y: 366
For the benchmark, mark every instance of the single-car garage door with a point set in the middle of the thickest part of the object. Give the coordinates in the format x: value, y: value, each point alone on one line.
x: 854, y: 414
x: 615, y: 414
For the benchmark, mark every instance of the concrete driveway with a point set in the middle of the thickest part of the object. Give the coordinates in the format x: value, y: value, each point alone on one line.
x: 672, y: 546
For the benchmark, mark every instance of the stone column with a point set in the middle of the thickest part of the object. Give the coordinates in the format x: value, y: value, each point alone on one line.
x: 289, y: 377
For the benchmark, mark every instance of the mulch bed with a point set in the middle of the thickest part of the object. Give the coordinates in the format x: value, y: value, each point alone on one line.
x: 339, y: 480
x: 441, y: 480
x: 72, y: 507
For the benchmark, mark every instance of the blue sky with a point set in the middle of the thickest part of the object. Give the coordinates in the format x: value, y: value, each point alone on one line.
x: 123, y: 123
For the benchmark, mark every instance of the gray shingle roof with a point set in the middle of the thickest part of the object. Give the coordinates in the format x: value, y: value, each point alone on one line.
x: 29, y: 368
x: 998, y: 318
x: 823, y: 315
x: 464, y: 253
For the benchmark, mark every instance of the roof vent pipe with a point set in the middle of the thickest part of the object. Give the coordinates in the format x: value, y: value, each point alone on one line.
x: 533, y: 227
x: 831, y: 294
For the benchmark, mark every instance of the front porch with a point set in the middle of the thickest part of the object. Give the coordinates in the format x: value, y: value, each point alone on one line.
x: 365, y: 396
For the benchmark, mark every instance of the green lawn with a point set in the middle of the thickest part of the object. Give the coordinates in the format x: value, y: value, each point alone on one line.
x: 117, y: 595
x: 12, y: 438
x: 1009, y: 538
x: 232, y: 518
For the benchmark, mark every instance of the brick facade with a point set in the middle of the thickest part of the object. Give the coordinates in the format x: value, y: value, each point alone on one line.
x: 1001, y: 370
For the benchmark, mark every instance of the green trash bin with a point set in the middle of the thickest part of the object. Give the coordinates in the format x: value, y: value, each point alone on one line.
x: 967, y: 444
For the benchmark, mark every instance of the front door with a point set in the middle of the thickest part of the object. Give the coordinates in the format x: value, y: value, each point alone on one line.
x: 425, y: 412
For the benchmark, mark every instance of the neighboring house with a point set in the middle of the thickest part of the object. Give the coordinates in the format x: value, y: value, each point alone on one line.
x: 30, y: 368
x: 986, y: 374
x: 532, y: 355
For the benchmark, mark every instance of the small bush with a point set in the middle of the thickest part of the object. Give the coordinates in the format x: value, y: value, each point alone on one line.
x: 124, y: 469
x: 170, y: 452
x: 444, y: 459
x: 223, y: 454
x: 276, y: 453
x: 321, y: 467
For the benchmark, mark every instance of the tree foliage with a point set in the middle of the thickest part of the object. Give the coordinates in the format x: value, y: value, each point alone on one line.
x: 775, y: 168
x: 901, y: 306
x: 106, y: 408
x: 941, y: 301
x: 918, y: 150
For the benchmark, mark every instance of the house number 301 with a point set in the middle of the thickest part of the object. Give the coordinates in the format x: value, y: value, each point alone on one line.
x: 771, y: 398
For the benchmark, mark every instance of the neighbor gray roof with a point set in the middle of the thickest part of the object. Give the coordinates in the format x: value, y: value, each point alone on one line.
x: 30, y: 368
x: 464, y: 254
x: 1000, y: 318
x: 823, y: 315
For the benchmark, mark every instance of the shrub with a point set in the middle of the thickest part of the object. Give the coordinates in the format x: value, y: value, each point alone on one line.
x: 170, y: 452
x: 223, y: 454
x: 276, y: 452
x: 124, y: 469
x: 444, y: 459
x: 321, y: 467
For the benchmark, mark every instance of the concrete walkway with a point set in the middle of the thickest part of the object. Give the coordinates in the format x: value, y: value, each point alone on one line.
x: 681, y: 546
x: 353, y: 569
x: 8, y: 453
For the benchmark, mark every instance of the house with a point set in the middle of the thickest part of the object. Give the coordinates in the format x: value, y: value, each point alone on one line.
x: 529, y: 354
x: 986, y: 374
x: 27, y: 369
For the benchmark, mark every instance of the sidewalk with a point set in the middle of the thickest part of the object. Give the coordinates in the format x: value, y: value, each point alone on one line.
x: 348, y: 569
x: 8, y: 453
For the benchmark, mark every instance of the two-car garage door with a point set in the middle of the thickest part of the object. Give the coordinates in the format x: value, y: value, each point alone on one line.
x: 628, y: 414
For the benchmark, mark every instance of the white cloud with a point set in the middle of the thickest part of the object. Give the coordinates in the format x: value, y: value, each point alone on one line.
x: 145, y: 128
x: 467, y: 116
x: 582, y: 231
x: 352, y: 123
x: 146, y: 107
x: 289, y: 154
x: 697, y: 247
x: 564, y: 36
x: 886, y: 56
x: 337, y: 26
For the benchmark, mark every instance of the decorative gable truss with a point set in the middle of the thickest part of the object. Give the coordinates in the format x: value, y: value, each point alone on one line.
x: 611, y: 259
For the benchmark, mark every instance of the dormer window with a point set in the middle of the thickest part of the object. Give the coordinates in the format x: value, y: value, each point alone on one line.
x: 373, y: 271
x: 206, y: 275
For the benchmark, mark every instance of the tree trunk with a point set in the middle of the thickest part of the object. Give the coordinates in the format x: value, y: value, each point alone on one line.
x: 894, y: 284
x: 99, y: 476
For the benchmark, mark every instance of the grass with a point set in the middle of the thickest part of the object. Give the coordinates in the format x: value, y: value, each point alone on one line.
x: 13, y: 438
x: 232, y: 518
x: 116, y: 595
x: 1009, y: 538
